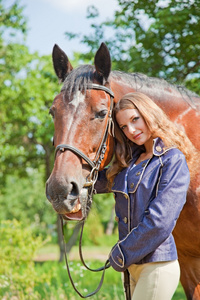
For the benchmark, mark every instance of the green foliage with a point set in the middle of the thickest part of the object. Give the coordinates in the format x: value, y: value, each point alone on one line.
x: 27, y: 128
x: 18, y: 246
x: 193, y: 84
x: 24, y: 199
x: 104, y: 203
x: 158, y: 38
x: 27, y: 88
x: 93, y: 229
x: 12, y: 17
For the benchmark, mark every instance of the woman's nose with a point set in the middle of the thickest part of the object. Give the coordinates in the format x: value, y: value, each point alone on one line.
x: 131, y: 129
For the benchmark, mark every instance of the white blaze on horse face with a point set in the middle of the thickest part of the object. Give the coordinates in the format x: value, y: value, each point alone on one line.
x: 77, y: 99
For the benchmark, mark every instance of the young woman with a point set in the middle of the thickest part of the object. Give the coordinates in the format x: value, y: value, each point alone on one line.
x: 149, y: 178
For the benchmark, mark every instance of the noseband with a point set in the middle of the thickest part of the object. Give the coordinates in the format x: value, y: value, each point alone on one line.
x: 89, y: 185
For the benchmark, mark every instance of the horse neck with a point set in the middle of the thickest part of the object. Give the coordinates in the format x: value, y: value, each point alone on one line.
x: 181, y: 105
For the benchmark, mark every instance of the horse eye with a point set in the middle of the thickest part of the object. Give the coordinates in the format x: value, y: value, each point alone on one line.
x: 101, y: 114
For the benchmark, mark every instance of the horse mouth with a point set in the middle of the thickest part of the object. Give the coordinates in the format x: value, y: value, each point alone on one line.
x: 75, y: 214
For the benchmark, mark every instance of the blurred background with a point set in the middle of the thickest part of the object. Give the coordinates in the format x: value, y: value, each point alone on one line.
x: 158, y: 38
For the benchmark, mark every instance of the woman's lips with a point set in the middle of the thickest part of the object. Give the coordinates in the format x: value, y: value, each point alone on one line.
x: 137, y: 136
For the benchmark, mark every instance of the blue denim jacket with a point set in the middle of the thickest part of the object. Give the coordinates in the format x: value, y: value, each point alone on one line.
x: 149, y: 198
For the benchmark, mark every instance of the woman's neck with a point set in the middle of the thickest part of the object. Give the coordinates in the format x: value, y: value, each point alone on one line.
x: 148, y: 152
x: 149, y: 146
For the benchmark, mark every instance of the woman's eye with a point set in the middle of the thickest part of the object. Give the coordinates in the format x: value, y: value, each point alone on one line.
x: 101, y: 114
x: 135, y: 119
x: 123, y: 127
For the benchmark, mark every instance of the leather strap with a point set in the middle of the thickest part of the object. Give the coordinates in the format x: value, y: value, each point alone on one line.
x: 63, y: 147
x: 69, y: 273
x: 127, y: 285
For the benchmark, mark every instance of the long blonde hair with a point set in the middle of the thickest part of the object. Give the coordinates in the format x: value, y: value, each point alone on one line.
x: 159, y: 126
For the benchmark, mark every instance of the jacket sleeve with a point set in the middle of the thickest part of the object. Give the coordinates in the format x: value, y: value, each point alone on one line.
x: 101, y: 185
x: 158, y: 223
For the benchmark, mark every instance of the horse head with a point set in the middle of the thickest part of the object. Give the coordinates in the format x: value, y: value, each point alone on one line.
x: 81, y: 113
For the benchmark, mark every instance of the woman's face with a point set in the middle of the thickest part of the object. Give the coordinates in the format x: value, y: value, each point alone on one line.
x: 133, y: 126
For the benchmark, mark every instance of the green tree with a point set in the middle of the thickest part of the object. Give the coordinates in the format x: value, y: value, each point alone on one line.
x: 12, y: 23
x: 158, y: 38
x: 27, y: 88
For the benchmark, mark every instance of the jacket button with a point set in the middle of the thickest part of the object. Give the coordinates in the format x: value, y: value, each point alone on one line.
x: 120, y: 260
x: 138, y: 173
x: 132, y: 185
x: 125, y: 220
x: 144, y: 164
x: 117, y: 219
x: 158, y: 148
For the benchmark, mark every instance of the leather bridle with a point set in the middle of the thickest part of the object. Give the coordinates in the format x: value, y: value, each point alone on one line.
x: 91, y: 179
x: 95, y: 164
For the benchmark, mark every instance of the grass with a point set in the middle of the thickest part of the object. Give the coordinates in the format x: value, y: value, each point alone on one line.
x: 60, y: 287
x: 85, y: 281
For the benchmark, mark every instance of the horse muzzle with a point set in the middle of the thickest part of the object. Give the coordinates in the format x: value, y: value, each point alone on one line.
x: 81, y: 208
x: 71, y: 206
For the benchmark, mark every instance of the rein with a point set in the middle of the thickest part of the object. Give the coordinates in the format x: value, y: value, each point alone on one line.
x: 106, y: 266
x: 95, y: 164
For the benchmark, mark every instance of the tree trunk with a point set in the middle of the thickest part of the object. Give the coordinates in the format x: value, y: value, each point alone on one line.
x: 73, y: 238
x: 110, y: 226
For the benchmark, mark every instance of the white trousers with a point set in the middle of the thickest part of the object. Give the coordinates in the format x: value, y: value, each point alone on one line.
x: 154, y: 281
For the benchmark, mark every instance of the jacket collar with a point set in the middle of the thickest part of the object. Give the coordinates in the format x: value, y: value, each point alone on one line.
x: 158, y: 148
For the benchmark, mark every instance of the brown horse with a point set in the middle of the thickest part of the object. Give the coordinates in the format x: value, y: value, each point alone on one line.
x: 81, y: 116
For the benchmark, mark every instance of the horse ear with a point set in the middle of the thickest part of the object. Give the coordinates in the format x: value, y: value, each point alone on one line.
x: 102, y: 61
x: 61, y: 63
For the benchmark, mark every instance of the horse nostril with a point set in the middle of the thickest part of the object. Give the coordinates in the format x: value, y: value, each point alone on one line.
x: 75, y: 190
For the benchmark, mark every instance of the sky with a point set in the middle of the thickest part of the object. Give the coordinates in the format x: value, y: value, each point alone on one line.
x: 48, y: 20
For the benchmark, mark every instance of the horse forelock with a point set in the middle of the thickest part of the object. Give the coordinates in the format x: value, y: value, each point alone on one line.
x: 78, y: 79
